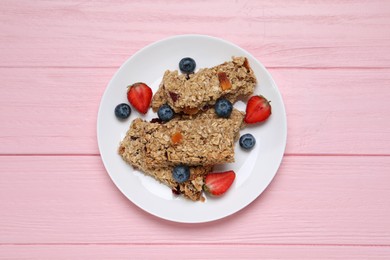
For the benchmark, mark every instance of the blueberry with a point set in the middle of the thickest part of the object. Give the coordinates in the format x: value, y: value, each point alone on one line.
x: 223, y: 107
x: 247, y: 141
x: 122, y: 111
x: 181, y: 173
x: 187, y: 65
x: 165, y: 113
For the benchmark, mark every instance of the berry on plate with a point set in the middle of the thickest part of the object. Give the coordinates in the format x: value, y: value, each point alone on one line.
x: 247, y: 141
x: 223, y: 107
x: 219, y: 182
x: 181, y: 173
x: 140, y: 95
x: 165, y: 113
x: 258, y: 110
x: 122, y: 111
x: 187, y: 65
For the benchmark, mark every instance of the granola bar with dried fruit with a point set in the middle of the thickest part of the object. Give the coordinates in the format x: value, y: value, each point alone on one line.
x: 133, y: 145
x: 189, y: 142
x: 230, y: 79
x: 237, y: 117
x: 131, y: 149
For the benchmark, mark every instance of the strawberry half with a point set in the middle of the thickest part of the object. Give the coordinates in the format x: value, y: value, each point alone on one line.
x: 258, y: 109
x: 219, y: 182
x: 140, y: 95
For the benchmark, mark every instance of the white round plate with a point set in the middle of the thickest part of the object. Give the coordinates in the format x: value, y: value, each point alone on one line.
x: 254, y: 169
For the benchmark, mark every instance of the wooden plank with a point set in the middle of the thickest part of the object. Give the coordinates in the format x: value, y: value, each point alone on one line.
x: 54, y: 110
x: 51, y: 110
x: 336, y: 111
x: 312, y: 200
x: 279, y: 33
x: 151, y: 251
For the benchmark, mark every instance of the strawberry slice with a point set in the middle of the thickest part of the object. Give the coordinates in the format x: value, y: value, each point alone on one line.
x: 219, y: 182
x: 258, y: 109
x: 140, y: 95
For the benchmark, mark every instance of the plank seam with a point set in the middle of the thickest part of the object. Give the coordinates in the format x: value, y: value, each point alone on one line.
x: 268, y: 67
x: 287, y: 154
x: 193, y: 244
x: 337, y: 154
x: 49, y: 154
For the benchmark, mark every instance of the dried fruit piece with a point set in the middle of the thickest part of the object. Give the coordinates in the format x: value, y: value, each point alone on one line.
x: 156, y: 120
x: 246, y: 65
x: 224, y: 82
x: 176, y: 191
x: 121, y: 150
x: 190, y: 110
x: 174, y: 96
x: 176, y: 138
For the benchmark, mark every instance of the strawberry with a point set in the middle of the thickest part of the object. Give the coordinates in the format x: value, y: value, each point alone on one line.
x: 140, y: 95
x: 219, y: 182
x: 258, y: 109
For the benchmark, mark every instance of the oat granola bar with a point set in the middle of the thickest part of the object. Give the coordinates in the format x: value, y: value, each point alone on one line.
x: 131, y: 149
x: 230, y: 79
x: 237, y: 117
x: 201, y: 142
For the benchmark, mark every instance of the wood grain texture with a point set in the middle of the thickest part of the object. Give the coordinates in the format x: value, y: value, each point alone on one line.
x: 151, y: 251
x: 329, y: 200
x: 312, y: 200
x: 54, y: 110
x: 279, y: 33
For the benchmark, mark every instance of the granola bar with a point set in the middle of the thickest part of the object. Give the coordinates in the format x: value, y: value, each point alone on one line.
x: 230, y: 79
x: 201, y: 142
x: 131, y: 149
x: 236, y: 116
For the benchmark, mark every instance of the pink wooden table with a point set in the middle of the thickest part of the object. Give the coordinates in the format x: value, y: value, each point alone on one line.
x: 330, y: 198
